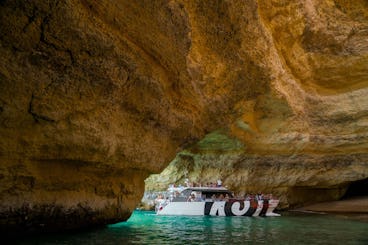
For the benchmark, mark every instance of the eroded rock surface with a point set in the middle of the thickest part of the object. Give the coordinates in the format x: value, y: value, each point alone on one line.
x: 96, y: 95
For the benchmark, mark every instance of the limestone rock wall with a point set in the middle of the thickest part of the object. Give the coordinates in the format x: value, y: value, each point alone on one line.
x: 96, y: 95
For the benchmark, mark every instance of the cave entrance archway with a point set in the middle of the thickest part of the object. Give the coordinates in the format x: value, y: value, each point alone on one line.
x: 357, y: 188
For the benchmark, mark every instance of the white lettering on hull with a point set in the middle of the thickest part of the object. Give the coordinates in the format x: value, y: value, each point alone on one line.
x: 218, y: 208
x: 236, y: 208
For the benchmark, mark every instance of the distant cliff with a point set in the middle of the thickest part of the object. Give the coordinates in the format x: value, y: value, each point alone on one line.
x: 97, y: 95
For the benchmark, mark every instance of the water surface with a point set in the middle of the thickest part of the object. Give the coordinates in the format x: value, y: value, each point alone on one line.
x: 291, y: 228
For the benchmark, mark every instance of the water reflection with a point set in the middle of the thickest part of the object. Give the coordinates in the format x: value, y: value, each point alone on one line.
x: 147, y: 228
x: 291, y: 228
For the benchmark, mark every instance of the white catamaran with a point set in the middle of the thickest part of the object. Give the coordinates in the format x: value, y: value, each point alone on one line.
x: 214, y: 201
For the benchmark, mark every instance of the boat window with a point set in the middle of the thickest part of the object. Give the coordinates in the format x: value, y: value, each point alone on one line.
x: 186, y: 193
x: 215, y: 195
x: 182, y: 196
x: 201, y: 195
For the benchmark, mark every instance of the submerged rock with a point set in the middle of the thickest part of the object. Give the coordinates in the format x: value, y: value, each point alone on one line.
x: 97, y: 95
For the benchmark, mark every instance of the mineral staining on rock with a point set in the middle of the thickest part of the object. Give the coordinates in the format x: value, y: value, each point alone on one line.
x: 96, y: 95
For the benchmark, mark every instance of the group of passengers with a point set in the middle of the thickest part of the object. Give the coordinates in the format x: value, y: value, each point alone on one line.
x: 221, y: 197
x: 258, y: 197
x: 214, y: 198
x: 218, y: 183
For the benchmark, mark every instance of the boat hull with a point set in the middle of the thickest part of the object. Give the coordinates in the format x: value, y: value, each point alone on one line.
x: 219, y: 208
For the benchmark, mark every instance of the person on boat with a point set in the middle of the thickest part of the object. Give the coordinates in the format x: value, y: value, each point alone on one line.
x: 221, y: 197
x: 187, y: 182
x: 203, y: 197
x: 259, y: 196
x: 251, y: 197
x: 246, y: 197
x: 176, y: 194
x: 198, y: 197
x: 159, y: 200
x: 191, y: 198
x: 219, y: 183
x: 227, y: 197
x: 213, y: 197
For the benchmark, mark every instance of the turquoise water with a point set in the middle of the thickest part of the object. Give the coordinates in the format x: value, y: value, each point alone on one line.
x: 291, y: 228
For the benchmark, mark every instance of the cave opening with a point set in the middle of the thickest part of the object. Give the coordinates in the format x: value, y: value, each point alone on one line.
x: 357, y: 188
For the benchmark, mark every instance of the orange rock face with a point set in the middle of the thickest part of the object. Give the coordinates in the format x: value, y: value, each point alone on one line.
x: 96, y: 95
